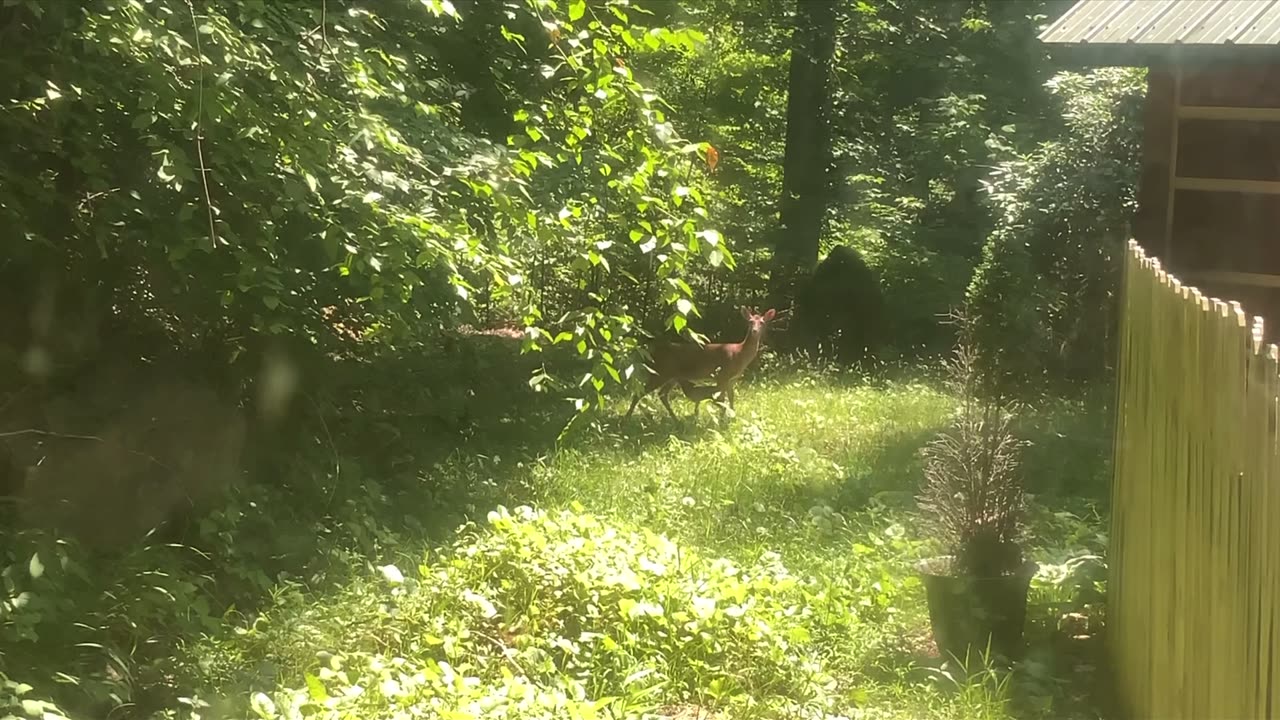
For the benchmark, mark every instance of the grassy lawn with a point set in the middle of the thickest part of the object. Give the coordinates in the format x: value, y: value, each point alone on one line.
x: 759, y: 569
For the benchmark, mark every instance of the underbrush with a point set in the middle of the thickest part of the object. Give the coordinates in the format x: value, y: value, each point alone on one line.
x: 759, y: 569
x: 553, y: 615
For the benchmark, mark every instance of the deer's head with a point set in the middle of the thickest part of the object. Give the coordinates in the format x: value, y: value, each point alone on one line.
x: 757, y: 323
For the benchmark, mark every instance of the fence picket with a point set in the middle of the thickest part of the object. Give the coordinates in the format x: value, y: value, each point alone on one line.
x: 1194, y: 589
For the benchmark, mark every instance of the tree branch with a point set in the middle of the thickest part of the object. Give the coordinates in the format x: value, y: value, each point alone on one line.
x: 204, y: 177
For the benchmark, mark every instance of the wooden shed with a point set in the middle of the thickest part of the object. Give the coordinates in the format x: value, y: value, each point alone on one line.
x: 1193, y: 595
x: 1209, y: 198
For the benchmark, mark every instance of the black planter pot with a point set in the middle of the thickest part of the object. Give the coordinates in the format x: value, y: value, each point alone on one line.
x: 967, y: 611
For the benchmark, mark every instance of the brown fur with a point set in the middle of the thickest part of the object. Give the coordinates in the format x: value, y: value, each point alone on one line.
x: 684, y: 364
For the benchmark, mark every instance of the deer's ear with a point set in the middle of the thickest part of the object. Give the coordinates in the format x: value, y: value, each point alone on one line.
x: 746, y: 312
x: 769, y: 314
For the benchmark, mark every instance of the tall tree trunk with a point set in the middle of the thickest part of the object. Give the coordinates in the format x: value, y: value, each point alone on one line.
x: 808, y: 152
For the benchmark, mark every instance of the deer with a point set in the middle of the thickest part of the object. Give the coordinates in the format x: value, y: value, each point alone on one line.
x: 682, y: 364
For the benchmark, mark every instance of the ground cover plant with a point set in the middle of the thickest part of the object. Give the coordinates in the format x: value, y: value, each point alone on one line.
x: 762, y: 569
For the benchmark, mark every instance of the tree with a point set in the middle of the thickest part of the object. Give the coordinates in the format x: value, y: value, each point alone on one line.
x: 808, y: 153
x: 1043, y: 297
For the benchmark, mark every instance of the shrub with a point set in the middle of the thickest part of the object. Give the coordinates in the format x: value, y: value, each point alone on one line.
x: 972, y: 491
x: 1043, y: 296
x: 555, y: 615
x: 238, y: 172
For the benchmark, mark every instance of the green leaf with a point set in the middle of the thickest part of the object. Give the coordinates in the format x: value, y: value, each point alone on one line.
x: 713, y: 237
x: 392, y: 574
x: 35, y: 567
x: 534, y: 133
x: 799, y: 634
x: 577, y: 9
x: 271, y: 301
x: 626, y: 606
x: 316, y: 688
x: 262, y: 704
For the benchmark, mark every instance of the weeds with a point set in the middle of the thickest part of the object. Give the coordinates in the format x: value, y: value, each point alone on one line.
x: 761, y: 570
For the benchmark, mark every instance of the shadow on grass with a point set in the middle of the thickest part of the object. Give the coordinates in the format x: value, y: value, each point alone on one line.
x: 1070, y: 452
x: 645, y: 430
x: 1060, y: 675
x: 1069, y: 456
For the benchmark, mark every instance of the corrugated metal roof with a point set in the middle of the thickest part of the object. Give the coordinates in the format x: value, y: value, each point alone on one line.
x: 1168, y: 22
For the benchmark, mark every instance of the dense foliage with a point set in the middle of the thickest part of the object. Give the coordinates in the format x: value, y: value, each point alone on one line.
x: 927, y: 98
x: 563, y: 616
x: 244, y: 170
x: 230, y: 175
x: 284, y: 280
x: 1045, y: 292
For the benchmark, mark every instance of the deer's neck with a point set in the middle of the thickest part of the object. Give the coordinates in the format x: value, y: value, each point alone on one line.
x: 749, y: 348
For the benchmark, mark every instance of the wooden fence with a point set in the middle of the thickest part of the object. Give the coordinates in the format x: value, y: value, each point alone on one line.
x: 1195, y: 549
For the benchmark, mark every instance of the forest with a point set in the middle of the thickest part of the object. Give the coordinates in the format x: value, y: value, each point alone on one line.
x: 324, y: 320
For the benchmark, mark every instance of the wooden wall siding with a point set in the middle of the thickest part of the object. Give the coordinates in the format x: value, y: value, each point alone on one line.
x: 1226, y: 231
x: 1194, y: 589
x: 1243, y: 84
x: 1209, y: 199
x: 1242, y: 149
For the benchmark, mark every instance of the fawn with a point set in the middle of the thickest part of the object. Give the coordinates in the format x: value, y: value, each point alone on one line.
x: 682, y: 364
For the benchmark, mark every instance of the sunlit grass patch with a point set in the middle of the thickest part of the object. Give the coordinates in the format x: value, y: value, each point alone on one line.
x: 553, y: 615
x: 791, y: 447
x: 761, y: 568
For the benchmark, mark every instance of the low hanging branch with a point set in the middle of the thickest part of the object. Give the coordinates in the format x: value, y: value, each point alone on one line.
x: 77, y: 436
x: 204, y: 177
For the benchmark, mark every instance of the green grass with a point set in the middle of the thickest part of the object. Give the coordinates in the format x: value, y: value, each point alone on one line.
x: 759, y: 569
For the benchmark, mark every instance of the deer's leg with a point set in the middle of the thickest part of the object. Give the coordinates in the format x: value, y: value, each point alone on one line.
x: 653, y: 383
x: 724, y: 386
x: 691, y: 391
x: 664, y: 395
x: 634, y: 401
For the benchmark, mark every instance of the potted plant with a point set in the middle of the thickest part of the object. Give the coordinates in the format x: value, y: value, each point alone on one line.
x: 973, y: 499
